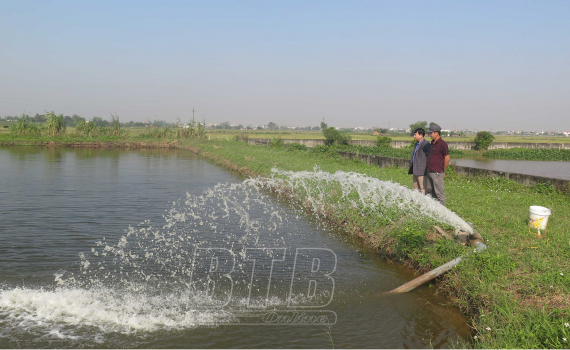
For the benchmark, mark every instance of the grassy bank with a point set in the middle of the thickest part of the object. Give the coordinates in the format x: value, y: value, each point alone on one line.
x: 546, y: 154
x: 516, y: 292
x: 73, y: 139
x: 530, y: 154
x: 304, y: 135
x: 398, y: 152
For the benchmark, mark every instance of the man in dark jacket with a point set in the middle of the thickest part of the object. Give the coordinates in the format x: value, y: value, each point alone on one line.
x: 418, y: 163
x: 438, y: 160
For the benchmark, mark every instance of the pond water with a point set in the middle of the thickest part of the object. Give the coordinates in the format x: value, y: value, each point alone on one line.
x: 553, y: 169
x: 108, y: 248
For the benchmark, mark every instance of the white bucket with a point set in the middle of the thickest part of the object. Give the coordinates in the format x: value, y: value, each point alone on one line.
x: 538, y: 217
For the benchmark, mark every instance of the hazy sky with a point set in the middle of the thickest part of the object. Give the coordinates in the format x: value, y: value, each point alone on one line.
x: 484, y: 65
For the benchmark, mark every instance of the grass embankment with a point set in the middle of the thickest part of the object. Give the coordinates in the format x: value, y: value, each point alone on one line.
x: 544, y: 154
x: 530, y: 154
x: 516, y: 292
x: 125, y: 139
x: 398, y: 152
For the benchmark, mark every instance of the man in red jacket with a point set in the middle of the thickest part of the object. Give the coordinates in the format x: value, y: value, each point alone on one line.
x: 438, y: 160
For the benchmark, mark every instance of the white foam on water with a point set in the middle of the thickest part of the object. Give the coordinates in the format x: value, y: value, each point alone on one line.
x: 104, y: 309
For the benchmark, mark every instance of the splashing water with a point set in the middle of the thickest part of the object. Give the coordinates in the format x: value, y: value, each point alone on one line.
x: 361, y: 191
x: 144, y: 282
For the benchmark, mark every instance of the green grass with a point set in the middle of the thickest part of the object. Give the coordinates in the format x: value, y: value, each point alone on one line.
x: 393, y: 152
x: 516, y: 292
x: 8, y: 139
x: 82, y: 134
x: 530, y: 154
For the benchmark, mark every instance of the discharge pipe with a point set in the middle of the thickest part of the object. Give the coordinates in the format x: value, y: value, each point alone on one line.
x: 475, y: 240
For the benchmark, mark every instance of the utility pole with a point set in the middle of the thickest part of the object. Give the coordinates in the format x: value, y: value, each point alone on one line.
x: 193, y: 110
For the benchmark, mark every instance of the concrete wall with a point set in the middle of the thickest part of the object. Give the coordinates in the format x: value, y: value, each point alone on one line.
x: 401, y: 144
x: 307, y: 142
x: 561, y: 185
x: 377, y: 160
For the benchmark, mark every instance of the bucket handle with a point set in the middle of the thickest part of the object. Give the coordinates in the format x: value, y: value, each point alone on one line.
x: 536, y: 234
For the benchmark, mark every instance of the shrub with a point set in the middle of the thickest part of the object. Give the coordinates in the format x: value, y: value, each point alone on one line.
x: 297, y: 147
x: 54, y: 124
x: 23, y: 127
x: 383, y: 141
x: 183, y: 133
x: 320, y: 149
x: 115, y: 125
x: 483, y: 140
x: 326, y: 151
x: 200, y: 128
x: 195, y: 129
x: 153, y: 132
x: 333, y: 136
x: 276, y: 142
x: 243, y: 137
x: 86, y: 128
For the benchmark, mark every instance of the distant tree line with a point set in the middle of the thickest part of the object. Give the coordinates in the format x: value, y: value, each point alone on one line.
x: 51, y: 124
x: 76, y: 120
x: 269, y: 126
